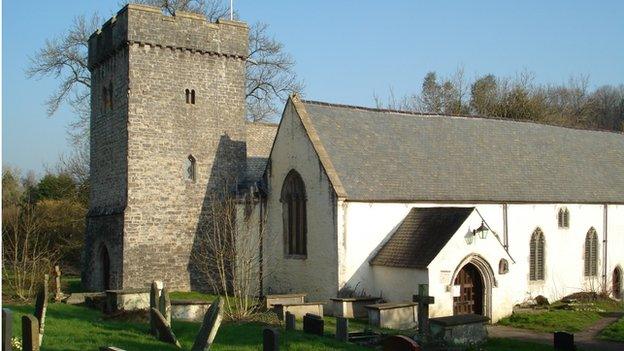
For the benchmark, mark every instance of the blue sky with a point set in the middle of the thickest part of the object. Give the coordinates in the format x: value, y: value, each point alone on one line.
x: 345, y: 51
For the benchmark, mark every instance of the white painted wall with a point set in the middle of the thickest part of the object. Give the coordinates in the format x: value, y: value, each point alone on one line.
x: 365, y: 226
x: 317, y: 275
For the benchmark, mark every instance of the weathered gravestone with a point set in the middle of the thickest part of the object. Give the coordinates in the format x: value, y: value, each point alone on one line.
x: 270, y: 340
x: 342, y: 329
x: 424, y: 300
x: 154, y: 302
x: 164, y: 305
x: 313, y: 324
x: 7, y: 329
x: 163, y: 329
x: 110, y: 348
x: 30, y: 333
x: 58, y: 295
x: 209, y: 327
x: 41, y: 306
x: 460, y: 329
x: 400, y: 343
x: 564, y: 341
x: 291, y: 323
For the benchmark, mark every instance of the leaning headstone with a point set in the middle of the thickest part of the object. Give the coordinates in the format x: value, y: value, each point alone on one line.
x: 270, y: 340
x: 7, y: 329
x: 163, y: 329
x: 164, y: 305
x: 58, y: 295
x: 291, y: 323
x: 342, y: 329
x: 154, y: 300
x: 41, y: 306
x: 30, y: 333
x: 209, y: 327
x: 400, y: 343
x: 110, y: 348
x: 313, y: 324
x: 564, y: 341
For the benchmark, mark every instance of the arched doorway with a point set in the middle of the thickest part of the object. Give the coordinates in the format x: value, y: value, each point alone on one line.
x: 617, y: 283
x: 105, y: 266
x: 471, y: 291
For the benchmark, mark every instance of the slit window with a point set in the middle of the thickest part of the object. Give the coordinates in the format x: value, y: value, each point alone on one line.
x: 190, y: 96
x: 190, y: 168
x: 563, y: 218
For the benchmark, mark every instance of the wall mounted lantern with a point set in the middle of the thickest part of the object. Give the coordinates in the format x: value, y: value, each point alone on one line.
x: 481, y: 231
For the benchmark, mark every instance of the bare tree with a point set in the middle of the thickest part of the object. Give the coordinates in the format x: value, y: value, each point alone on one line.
x: 227, y: 253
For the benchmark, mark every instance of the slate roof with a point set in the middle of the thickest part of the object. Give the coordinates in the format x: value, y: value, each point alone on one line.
x: 383, y: 155
x: 260, y: 138
x: 420, y: 236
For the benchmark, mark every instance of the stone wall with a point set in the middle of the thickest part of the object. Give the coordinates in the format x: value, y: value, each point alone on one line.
x: 149, y: 144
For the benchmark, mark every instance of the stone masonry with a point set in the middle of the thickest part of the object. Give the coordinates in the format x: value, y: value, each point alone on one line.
x: 145, y: 213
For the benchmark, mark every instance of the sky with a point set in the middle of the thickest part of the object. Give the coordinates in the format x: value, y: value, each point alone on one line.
x: 346, y: 51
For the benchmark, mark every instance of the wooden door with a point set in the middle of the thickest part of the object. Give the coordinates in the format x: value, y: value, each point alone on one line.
x: 617, y: 283
x: 470, y: 299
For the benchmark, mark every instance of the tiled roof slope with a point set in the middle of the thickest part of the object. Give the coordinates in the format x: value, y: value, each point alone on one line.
x: 260, y: 138
x: 393, y: 156
x: 420, y: 236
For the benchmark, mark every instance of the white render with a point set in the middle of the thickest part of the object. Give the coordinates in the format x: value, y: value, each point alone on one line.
x: 343, y: 236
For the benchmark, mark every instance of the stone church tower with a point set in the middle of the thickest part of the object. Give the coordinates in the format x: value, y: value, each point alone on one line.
x: 167, y: 127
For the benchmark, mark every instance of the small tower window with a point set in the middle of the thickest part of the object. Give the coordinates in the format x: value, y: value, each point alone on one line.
x: 110, y: 95
x: 193, y: 97
x: 563, y: 218
x: 190, y: 168
x: 188, y: 96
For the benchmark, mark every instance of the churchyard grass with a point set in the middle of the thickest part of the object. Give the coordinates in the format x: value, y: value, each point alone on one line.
x: 551, y: 321
x: 614, y: 332
x: 191, y: 295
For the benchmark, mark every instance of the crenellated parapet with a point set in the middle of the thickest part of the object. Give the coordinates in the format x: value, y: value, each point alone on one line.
x: 147, y: 25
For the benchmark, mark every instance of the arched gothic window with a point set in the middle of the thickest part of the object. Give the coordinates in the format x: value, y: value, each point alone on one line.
x: 536, y: 256
x: 564, y: 218
x: 293, y: 198
x: 193, y: 97
x: 190, y: 168
x: 591, y: 253
x: 188, y: 96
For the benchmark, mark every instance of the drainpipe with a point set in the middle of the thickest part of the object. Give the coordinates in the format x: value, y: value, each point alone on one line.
x: 605, y: 224
x: 505, y: 228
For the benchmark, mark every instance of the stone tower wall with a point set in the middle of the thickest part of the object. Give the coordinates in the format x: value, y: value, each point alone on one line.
x: 163, y: 210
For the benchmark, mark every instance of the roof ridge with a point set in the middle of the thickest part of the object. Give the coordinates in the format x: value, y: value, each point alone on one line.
x: 425, y: 114
x: 260, y: 123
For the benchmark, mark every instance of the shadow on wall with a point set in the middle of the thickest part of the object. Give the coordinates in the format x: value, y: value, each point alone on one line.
x: 225, y: 174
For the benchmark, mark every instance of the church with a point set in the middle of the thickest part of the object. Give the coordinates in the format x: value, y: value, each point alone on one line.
x: 488, y: 212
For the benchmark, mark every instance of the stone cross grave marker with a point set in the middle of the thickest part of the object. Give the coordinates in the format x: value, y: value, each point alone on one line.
x: 41, y: 306
x: 424, y: 300
x: 163, y: 329
x: 270, y: 339
x: 30, y: 333
x: 209, y: 327
x: 291, y: 323
x: 154, y: 302
x: 7, y: 329
x: 58, y: 295
x: 313, y: 324
x: 563, y: 341
x: 164, y: 305
x: 342, y: 329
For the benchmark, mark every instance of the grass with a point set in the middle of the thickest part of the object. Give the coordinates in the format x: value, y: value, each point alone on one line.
x: 551, y: 321
x: 614, y: 332
x: 191, y: 295
x: 496, y: 344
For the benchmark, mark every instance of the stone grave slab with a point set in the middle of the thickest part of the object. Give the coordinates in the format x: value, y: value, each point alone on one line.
x: 400, y: 343
x: 392, y: 315
x: 30, y: 333
x: 127, y: 300
x: 270, y: 339
x: 298, y: 309
x: 271, y: 300
x: 342, y: 329
x: 163, y: 329
x: 164, y: 305
x: 353, y: 307
x: 291, y: 322
x: 459, y: 329
x: 189, y: 310
x: 209, y: 327
x: 313, y: 324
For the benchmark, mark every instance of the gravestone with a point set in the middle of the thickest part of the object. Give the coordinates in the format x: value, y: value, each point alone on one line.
x: 165, y: 305
x: 41, y: 306
x: 424, y: 300
x: 270, y: 339
x: 58, y: 295
x: 342, y: 329
x: 154, y: 302
x: 291, y: 323
x: 30, y: 333
x: 313, y: 324
x: 400, y: 343
x: 564, y: 341
x: 7, y: 329
x: 110, y: 348
x: 209, y: 327
x: 163, y: 329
